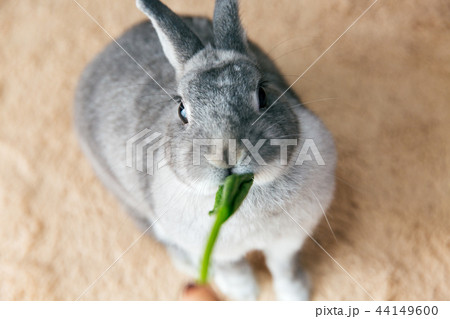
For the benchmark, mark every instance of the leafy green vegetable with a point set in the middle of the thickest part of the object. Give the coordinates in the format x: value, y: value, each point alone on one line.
x: 229, y: 197
x: 217, y: 201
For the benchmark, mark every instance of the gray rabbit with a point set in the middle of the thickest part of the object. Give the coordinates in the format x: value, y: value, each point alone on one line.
x: 216, y: 105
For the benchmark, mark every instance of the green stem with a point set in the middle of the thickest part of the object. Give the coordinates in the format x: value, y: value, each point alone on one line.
x: 228, y: 199
x: 210, y: 245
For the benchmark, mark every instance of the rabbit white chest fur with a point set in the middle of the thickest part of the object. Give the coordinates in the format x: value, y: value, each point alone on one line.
x: 187, y: 82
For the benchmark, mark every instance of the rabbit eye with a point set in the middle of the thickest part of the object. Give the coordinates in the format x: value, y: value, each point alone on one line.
x: 262, y: 98
x: 182, y: 113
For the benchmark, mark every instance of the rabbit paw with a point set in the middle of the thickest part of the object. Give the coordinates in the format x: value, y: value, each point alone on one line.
x: 297, y: 288
x: 237, y: 287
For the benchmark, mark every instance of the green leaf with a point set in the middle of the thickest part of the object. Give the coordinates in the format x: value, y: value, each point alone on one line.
x: 217, y: 201
x: 240, y: 196
x: 228, y: 199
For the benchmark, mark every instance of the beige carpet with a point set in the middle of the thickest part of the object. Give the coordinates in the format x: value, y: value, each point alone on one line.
x: 383, y: 90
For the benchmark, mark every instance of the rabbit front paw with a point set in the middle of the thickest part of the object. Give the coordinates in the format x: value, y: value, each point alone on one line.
x: 297, y: 288
x: 236, y: 280
x: 242, y: 288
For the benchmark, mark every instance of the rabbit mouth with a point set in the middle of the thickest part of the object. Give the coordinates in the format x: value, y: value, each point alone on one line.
x: 263, y: 175
x: 204, y: 177
x: 267, y: 174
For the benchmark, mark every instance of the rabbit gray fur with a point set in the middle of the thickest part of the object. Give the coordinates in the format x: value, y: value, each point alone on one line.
x: 216, y: 74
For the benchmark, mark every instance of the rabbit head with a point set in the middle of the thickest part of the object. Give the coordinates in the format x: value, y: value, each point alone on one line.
x: 223, y: 121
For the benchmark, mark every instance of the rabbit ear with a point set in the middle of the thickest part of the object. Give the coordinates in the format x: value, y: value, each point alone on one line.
x: 228, y: 32
x: 178, y: 41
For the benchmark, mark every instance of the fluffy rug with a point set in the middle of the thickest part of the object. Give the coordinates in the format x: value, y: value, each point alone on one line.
x: 382, y: 89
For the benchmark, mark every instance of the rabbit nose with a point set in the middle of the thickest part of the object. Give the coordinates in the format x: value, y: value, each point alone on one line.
x: 221, y: 160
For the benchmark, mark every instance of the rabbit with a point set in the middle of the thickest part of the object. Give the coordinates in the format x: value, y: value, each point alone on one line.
x: 191, y: 79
